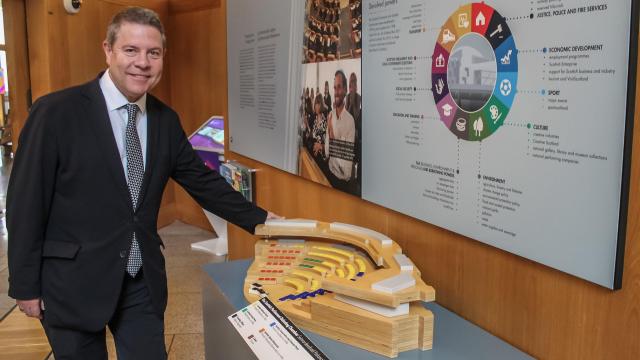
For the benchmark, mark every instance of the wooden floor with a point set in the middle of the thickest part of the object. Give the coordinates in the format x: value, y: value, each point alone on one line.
x: 22, y: 338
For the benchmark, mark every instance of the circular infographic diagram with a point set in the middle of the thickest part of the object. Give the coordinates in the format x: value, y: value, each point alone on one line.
x: 474, y: 71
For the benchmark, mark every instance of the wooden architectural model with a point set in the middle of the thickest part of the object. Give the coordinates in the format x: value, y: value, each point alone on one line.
x: 344, y: 282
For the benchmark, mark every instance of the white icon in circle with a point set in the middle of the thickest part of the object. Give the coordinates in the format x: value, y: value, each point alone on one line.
x: 497, y: 31
x: 461, y: 124
x: 481, y: 20
x: 440, y: 61
x: 446, y: 109
x: 506, y: 60
x: 463, y: 20
x: 505, y: 87
x: 478, y: 126
x: 495, y: 113
x: 440, y: 86
x: 447, y: 36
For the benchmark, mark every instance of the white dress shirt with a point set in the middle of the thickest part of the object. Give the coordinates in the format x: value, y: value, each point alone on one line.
x: 118, y: 116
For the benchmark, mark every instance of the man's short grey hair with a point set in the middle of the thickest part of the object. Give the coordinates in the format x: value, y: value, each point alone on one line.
x: 134, y: 15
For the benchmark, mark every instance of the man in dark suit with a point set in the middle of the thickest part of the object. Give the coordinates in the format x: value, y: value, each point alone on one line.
x: 84, y: 197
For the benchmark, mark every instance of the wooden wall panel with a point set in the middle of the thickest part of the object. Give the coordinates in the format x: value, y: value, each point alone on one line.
x: 18, y: 63
x: 66, y: 50
x: 197, y: 53
x: 542, y: 311
x: 546, y: 313
x: 183, y: 6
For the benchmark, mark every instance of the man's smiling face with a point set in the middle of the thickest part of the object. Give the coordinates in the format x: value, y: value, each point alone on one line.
x: 135, y: 59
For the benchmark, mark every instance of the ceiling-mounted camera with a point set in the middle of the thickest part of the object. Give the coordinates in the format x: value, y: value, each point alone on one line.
x: 72, y: 6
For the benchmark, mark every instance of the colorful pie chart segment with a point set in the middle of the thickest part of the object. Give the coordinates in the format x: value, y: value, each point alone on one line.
x: 474, y: 71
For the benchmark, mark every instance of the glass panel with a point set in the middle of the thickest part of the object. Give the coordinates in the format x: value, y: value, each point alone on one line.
x: 3, y: 65
x: 1, y: 24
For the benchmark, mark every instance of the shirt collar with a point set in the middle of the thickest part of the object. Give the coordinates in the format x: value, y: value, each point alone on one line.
x: 114, y: 98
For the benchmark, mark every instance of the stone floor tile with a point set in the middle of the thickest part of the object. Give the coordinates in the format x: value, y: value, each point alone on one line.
x: 189, y: 347
x: 184, y: 314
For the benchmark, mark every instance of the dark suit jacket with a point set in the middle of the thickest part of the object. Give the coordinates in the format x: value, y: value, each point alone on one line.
x: 69, y: 212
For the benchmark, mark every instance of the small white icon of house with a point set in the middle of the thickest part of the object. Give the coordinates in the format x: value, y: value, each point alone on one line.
x: 440, y: 61
x: 481, y: 20
x: 446, y: 108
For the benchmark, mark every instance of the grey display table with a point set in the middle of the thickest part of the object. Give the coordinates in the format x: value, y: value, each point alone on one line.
x: 454, y: 338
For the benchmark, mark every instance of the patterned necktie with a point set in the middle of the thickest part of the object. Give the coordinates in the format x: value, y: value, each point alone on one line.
x: 135, y: 173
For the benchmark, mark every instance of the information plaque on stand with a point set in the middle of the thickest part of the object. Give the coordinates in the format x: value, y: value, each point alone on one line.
x: 270, y: 334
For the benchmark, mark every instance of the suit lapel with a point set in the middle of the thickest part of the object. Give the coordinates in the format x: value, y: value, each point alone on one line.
x: 96, y: 108
x: 153, y: 123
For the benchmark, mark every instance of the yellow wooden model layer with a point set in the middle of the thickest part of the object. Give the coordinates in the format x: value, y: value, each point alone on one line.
x: 344, y: 282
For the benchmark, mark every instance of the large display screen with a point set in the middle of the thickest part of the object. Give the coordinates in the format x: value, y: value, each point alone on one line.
x: 506, y: 121
x: 208, y: 142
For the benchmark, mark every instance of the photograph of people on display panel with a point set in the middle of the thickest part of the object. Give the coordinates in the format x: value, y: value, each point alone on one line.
x: 330, y: 104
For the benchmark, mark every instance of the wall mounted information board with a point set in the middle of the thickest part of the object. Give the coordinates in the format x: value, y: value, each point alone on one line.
x: 506, y: 121
x: 259, y: 40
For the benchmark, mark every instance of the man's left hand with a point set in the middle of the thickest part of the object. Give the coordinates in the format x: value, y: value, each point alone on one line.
x: 31, y: 308
x: 272, y: 216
